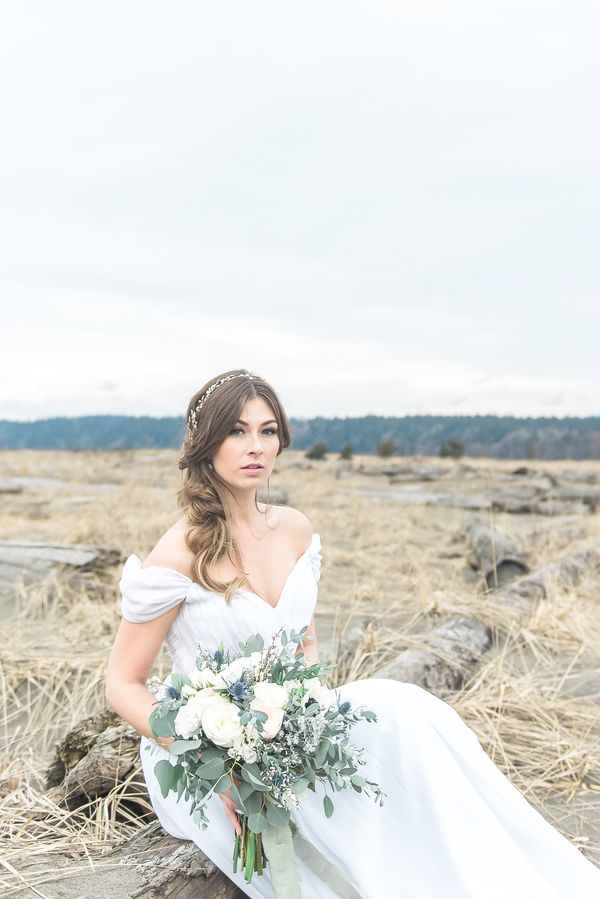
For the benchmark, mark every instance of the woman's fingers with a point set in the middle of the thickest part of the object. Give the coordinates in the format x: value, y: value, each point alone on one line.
x: 230, y: 805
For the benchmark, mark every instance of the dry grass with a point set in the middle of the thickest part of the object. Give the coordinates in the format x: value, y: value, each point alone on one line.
x: 533, y: 702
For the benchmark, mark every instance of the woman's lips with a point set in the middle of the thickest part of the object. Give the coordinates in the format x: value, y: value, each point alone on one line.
x: 253, y: 470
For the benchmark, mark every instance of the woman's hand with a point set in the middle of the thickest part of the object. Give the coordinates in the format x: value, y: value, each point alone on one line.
x: 230, y: 805
x: 226, y: 797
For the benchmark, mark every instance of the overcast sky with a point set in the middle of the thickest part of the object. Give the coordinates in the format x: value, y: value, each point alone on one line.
x: 380, y: 207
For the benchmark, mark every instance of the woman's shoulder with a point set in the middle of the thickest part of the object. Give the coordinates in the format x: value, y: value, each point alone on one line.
x: 297, y: 525
x: 172, y: 551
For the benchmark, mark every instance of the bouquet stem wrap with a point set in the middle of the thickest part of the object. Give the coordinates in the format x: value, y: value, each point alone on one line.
x: 279, y: 849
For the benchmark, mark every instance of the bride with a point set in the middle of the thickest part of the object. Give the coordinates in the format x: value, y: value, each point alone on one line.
x: 452, y: 826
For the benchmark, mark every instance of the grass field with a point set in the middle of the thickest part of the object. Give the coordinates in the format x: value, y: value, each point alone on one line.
x: 388, y: 560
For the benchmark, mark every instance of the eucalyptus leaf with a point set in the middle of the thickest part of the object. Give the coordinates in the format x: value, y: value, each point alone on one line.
x: 179, y: 746
x: 211, y: 769
x: 257, y: 822
x: 255, y: 781
x: 161, y: 727
x: 277, y: 817
x: 321, y: 754
x: 222, y: 785
x: 253, y: 802
x: 328, y: 806
x: 245, y: 789
x: 166, y: 776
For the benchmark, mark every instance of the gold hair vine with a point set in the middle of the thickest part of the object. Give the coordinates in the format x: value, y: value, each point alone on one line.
x: 192, y: 423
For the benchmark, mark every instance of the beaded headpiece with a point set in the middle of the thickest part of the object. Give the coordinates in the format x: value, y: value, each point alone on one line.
x: 192, y: 423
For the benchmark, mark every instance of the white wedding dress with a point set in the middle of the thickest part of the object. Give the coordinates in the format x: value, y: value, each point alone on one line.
x: 452, y: 825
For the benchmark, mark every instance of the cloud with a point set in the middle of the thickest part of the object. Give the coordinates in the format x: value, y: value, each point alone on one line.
x: 389, y: 208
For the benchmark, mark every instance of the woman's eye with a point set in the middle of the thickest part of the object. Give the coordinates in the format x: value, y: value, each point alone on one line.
x: 271, y: 430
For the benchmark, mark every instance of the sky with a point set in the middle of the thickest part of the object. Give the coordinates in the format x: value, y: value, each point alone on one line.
x: 383, y: 208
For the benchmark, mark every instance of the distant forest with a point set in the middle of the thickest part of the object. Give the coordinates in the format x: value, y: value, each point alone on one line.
x: 478, y: 435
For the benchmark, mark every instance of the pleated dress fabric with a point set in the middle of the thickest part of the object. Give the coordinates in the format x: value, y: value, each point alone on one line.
x: 452, y: 826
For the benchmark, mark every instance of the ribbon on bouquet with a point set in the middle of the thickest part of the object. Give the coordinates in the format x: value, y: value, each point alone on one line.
x: 281, y: 844
x: 279, y: 849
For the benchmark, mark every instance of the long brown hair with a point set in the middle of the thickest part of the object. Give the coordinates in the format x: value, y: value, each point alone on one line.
x: 208, y: 534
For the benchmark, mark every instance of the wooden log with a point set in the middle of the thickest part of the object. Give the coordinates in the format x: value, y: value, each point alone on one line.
x: 495, y: 555
x: 171, y: 868
x: 453, y: 650
x: 29, y: 561
x: 566, y: 571
x: 10, y: 488
x: 99, y: 752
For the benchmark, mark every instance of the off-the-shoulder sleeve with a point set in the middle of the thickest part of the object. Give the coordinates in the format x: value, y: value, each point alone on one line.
x: 315, y: 556
x: 147, y: 593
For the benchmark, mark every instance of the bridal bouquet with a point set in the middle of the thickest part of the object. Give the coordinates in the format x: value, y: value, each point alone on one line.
x: 267, y: 725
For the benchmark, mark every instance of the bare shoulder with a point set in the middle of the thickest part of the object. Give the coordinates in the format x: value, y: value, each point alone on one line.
x: 298, y: 526
x: 171, y: 550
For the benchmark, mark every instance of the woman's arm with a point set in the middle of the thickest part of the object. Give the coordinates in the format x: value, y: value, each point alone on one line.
x: 132, y: 656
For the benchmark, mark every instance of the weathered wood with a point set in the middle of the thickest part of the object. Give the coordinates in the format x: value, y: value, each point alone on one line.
x: 453, y: 650
x: 456, y: 648
x: 566, y: 571
x: 495, y: 555
x: 29, y: 561
x: 172, y: 868
x: 10, y: 488
x: 99, y: 752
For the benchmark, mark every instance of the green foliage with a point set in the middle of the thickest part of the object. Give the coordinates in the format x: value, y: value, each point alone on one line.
x: 167, y: 775
x: 386, y: 447
x: 452, y: 447
x: 346, y: 451
x: 318, y: 451
x: 328, y: 806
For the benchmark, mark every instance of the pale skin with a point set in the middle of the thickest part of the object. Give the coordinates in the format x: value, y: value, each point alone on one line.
x: 269, y: 551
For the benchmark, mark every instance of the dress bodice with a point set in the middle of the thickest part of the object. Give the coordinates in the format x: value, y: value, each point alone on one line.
x: 204, y: 618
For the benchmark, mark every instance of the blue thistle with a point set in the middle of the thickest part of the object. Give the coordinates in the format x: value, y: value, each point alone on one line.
x: 238, y: 690
x: 344, y: 707
x: 219, y: 656
x: 173, y: 693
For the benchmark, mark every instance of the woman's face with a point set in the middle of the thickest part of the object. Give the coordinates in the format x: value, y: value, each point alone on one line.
x: 254, y: 440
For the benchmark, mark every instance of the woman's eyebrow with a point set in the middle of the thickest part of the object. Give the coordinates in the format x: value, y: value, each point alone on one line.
x: 239, y: 421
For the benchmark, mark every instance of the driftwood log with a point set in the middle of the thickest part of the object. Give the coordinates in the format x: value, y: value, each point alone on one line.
x: 171, y: 868
x: 566, y: 571
x: 456, y: 648
x: 29, y: 561
x: 453, y: 651
x: 99, y: 752
x: 495, y: 555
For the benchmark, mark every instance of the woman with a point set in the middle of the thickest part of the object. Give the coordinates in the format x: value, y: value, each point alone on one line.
x: 452, y: 826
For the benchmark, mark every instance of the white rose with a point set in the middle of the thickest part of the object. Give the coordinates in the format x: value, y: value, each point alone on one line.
x: 323, y: 695
x: 233, y: 672
x: 187, y: 721
x: 221, y: 723
x: 270, y: 694
x: 203, y: 678
x: 189, y: 717
x: 274, y: 720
